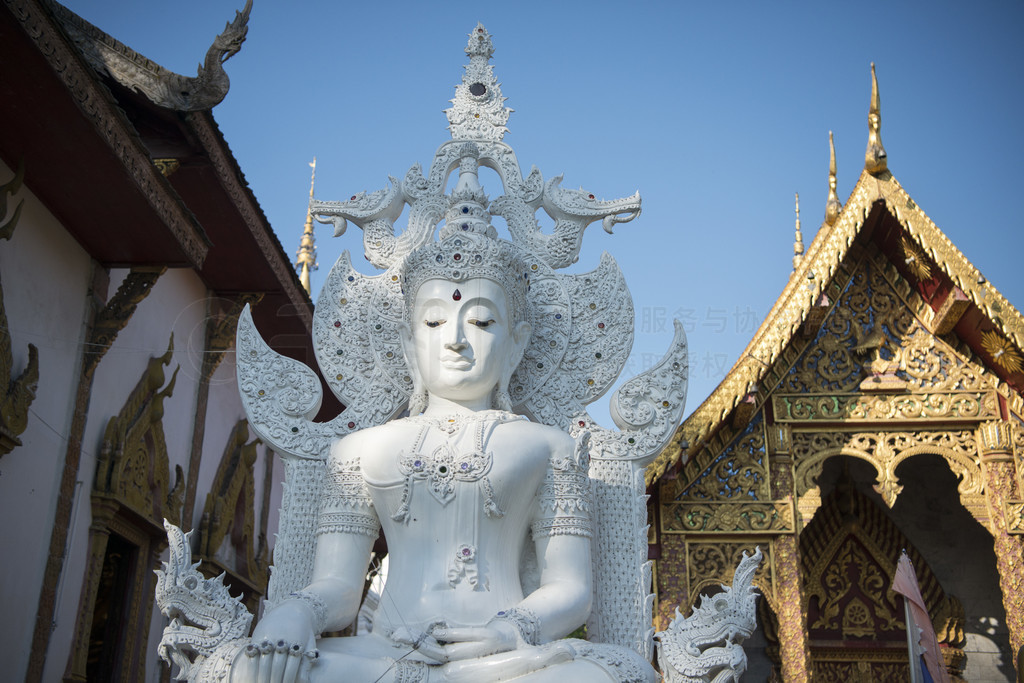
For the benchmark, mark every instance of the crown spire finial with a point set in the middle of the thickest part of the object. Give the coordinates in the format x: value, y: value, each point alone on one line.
x: 478, y: 111
x: 875, y: 160
x: 832, y: 206
x: 798, y: 244
x: 305, y: 257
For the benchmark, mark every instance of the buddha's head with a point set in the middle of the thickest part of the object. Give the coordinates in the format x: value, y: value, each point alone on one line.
x: 465, y: 327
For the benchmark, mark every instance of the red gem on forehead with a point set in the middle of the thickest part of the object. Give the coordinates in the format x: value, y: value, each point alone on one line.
x: 457, y: 295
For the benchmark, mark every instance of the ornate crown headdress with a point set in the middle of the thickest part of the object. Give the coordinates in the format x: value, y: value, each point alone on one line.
x: 582, y: 323
x: 468, y: 245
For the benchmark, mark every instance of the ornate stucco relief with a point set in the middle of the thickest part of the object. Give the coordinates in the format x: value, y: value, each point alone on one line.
x: 16, y: 393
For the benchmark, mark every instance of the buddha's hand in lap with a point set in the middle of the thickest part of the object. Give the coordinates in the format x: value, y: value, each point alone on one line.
x: 455, y: 644
x: 283, y: 649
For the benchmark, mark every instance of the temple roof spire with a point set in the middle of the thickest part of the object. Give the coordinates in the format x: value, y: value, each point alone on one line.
x: 875, y: 160
x: 305, y: 257
x: 478, y: 111
x: 832, y: 206
x: 798, y: 244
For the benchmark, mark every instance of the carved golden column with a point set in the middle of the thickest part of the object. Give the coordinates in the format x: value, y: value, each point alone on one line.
x: 995, y: 446
x: 794, y: 648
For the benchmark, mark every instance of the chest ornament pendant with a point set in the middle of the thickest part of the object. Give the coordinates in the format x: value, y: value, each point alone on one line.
x: 440, y: 469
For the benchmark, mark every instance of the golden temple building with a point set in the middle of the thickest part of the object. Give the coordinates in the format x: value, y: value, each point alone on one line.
x: 878, y: 408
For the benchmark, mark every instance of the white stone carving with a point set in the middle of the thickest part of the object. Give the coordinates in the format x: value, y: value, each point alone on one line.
x: 208, y: 627
x: 478, y: 111
x: 706, y: 647
x: 478, y: 334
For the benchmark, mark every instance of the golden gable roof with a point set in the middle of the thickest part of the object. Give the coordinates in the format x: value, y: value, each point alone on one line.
x: 877, y: 196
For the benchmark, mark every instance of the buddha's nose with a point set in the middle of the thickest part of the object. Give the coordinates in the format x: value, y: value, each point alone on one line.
x: 457, y: 347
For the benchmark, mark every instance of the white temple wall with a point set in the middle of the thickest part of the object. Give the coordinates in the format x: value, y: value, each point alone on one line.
x: 224, y: 410
x: 168, y: 307
x: 45, y: 276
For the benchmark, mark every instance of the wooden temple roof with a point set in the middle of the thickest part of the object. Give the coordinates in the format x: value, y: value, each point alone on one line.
x: 960, y: 300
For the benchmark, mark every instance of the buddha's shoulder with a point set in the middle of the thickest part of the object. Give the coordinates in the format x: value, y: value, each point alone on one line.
x: 385, y: 438
x: 555, y: 440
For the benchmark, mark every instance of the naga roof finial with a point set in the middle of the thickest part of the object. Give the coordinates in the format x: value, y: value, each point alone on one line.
x: 875, y: 160
x: 798, y: 244
x: 478, y: 111
x: 833, y: 206
x: 305, y: 257
x: 164, y: 88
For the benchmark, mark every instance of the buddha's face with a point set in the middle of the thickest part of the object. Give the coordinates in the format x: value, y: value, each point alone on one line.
x: 464, y: 339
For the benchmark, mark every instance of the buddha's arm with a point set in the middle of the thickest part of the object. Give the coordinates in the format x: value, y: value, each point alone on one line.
x: 339, y: 571
x: 347, y: 527
x: 561, y: 531
x: 562, y: 603
x: 330, y: 602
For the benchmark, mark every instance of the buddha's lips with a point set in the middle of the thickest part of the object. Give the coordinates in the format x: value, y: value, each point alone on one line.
x: 457, y: 362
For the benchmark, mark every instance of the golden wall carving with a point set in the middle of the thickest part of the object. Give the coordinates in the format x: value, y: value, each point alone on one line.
x: 885, y: 451
x: 229, y: 513
x: 731, y: 518
x: 1015, y: 516
x: 729, y: 467
x: 133, y: 466
x: 863, y: 671
x: 712, y: 563
x: 9, y: 189
x: 730, y: 494
x: 16, y: 393
x: 873, y: 327
x: 942, y: 407
x: 118, y: 310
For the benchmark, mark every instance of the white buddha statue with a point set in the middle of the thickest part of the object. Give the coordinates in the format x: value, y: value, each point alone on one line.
x: 459, y: 487
x: 496, y: 551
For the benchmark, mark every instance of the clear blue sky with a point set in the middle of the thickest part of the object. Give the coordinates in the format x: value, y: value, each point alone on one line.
x: 716, y: 112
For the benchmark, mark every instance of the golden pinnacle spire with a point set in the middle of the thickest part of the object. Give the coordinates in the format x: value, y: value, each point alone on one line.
x: 305, y: 257
x: 833, y: 206
x: 798, y: 245
x: 875, y: 161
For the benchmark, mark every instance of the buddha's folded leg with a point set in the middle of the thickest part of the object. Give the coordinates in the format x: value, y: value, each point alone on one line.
x: 508, y: 665
x: 562, y: 661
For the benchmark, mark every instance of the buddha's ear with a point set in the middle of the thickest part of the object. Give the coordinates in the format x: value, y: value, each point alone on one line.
x: 418, y: 400
x: 521, y: 335
x: 408, y: 346
x: 520, y: 338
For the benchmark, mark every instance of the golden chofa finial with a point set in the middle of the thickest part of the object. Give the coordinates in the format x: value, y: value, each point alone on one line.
x: 833, y: 206
x: 875, y: 160
x: 305, y: 257
x: 798, y: 244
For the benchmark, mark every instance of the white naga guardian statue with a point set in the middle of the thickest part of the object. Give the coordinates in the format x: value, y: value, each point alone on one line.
x: 511, y: 517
